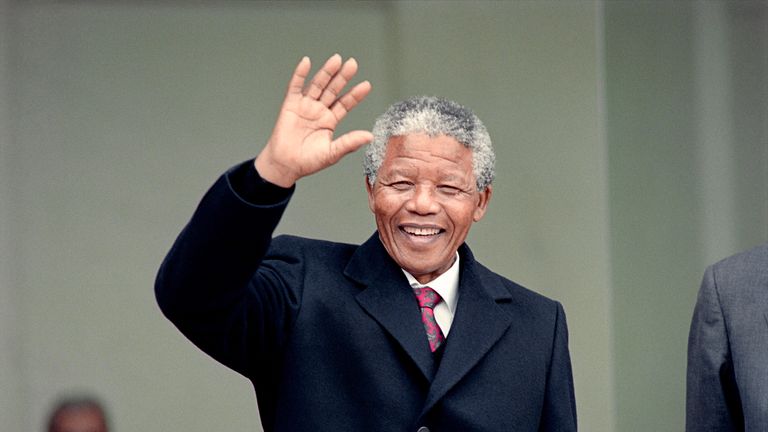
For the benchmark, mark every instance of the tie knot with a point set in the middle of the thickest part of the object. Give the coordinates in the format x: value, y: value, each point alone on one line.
x: 427, y: 297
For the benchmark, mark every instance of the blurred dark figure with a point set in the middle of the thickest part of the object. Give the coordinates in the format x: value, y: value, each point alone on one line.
x: 78, y: 414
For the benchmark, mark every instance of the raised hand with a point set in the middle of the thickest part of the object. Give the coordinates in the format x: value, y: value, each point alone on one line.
x: 302, y: 141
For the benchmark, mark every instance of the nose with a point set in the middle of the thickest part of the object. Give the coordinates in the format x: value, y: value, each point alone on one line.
x: 423, y: 201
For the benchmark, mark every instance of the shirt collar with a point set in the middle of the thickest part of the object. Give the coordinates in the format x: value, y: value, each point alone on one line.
x: 447, y: 284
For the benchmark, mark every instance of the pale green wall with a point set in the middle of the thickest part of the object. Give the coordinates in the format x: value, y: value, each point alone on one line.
x: 686, y: 124
x: 653, y: 201
x: 120, y: 115
x: 10, y: 354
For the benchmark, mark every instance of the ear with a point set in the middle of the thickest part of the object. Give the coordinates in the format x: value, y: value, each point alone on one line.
x: 369, y: 189
x: 482, y: 203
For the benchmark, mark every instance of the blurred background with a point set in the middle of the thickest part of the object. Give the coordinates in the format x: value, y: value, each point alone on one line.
x: 632, y: 145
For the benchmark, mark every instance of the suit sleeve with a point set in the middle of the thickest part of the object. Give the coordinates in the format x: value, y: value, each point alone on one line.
x: 213, y: 285
x: 560, y: 402
x: 712, y: 400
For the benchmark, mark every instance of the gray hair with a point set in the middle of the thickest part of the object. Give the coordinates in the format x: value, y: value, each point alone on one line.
x: 433, y: 116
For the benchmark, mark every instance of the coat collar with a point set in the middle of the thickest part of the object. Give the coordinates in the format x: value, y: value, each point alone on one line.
x: 480, y: 318
x: 387, y: 297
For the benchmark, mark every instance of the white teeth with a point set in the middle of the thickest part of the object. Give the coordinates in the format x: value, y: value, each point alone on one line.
x: 421, y: 231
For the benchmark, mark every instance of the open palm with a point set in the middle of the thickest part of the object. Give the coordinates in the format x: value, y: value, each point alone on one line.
x: 302, y: 141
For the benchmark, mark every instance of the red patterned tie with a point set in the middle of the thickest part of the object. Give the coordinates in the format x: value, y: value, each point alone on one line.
x: 428, y: 298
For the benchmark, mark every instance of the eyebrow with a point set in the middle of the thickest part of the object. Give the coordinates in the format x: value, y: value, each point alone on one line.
x: 452, y: 180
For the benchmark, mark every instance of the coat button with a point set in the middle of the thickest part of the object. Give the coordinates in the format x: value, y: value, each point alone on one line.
x: 423, y: 429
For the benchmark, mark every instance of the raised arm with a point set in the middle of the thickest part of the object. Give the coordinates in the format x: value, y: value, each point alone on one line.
x: 302, y: 141
x: 210, y: 285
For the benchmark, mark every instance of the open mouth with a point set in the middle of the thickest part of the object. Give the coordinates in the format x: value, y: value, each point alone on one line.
x: 421, y: 231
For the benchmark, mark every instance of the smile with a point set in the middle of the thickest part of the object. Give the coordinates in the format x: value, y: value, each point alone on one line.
x: 421, y: 231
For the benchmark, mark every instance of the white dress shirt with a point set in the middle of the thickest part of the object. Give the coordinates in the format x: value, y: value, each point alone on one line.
x: 447, y: 285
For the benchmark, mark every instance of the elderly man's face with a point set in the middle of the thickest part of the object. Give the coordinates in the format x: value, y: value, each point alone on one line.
x: 425, y: 199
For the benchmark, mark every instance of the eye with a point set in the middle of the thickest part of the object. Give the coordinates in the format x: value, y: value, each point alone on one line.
x: 401, y: 185
x: 449, y: 190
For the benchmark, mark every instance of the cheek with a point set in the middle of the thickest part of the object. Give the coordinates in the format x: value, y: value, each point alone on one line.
x: 463, y: 217
x: 384, y: 206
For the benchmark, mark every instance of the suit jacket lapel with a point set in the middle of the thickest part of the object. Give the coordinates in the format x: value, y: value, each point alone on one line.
x: 479, y: 322
x: 388, y: 299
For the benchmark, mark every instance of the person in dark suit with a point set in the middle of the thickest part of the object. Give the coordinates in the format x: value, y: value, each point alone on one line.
x: 406, y: 332
x: 727, y: 378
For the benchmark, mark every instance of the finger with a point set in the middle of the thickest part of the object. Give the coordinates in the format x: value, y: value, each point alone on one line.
x: 296, y: 83
x: 353, y: 97
x: 333, y: 89
x: 323, y: 76
x: 349, y: 142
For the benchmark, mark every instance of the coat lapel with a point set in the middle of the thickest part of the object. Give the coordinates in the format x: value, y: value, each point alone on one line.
x: 387, y: 298
x: 479, y: 322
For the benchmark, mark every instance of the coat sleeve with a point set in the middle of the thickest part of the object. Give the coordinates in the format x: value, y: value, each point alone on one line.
x: 712, y: 399
x: 214, y: 286
x: 559, y: 413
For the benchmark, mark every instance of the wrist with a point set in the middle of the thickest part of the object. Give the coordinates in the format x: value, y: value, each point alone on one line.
x: 273, y: 172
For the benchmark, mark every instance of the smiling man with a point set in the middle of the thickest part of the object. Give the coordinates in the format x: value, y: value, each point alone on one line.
x: 406, y: 332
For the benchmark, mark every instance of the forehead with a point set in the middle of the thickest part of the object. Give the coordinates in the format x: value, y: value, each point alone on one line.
x: 420, y: 147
